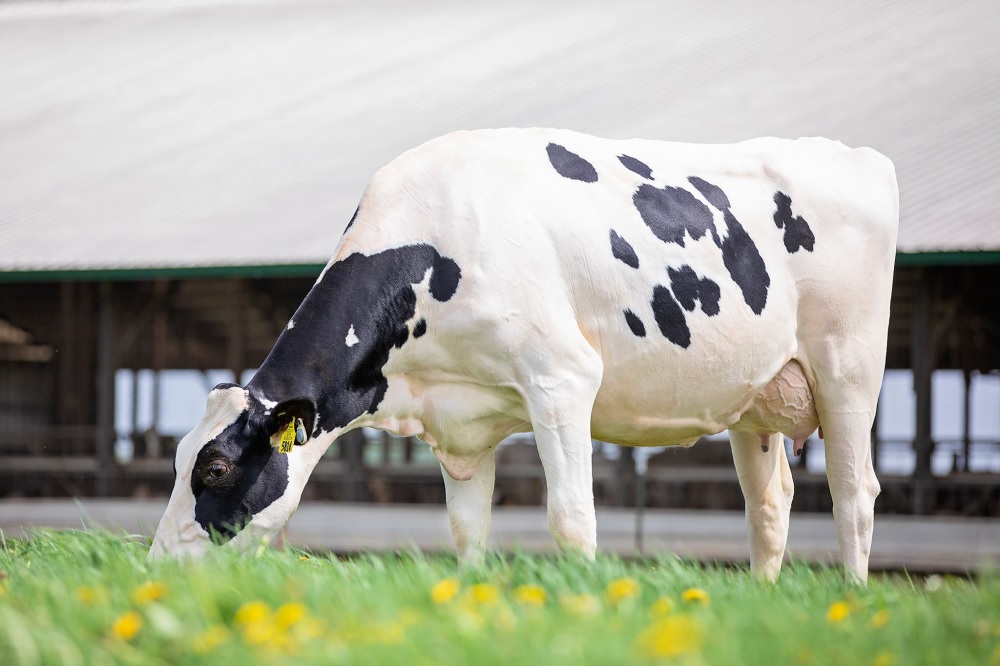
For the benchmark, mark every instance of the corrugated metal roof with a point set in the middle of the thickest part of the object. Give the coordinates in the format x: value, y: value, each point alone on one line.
x: 221, y: 134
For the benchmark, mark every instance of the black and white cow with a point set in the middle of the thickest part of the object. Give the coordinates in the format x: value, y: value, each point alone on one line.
x: 637, y: 292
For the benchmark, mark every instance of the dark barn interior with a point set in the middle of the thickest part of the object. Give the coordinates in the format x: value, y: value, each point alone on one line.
x: 64, y: 336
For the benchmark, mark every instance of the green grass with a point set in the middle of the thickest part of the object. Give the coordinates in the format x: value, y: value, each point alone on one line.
x: 63, y: 593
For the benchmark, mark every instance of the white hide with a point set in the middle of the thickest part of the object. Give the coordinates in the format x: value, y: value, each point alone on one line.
x: 534, y: 338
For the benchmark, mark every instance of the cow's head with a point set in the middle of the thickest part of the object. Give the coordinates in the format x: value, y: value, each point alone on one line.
x: 232, y: 484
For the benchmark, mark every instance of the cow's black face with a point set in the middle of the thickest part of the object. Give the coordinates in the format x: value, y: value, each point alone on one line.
x: 233, y: 482
x: 237, y: 475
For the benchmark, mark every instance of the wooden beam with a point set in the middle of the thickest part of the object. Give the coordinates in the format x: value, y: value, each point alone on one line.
x: 922, y: 362
x: 105, y: 389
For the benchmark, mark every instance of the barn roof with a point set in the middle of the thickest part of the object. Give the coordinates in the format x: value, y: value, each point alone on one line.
x: 196, y: 137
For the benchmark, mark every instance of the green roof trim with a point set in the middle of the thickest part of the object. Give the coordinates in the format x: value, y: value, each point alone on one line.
x: 313, y: 270
x: 175, y: 273
x: 970, y: 258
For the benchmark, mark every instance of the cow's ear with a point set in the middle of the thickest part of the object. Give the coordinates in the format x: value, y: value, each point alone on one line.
x: 299, y: 413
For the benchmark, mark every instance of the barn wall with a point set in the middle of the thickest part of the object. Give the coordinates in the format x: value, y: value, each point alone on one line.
x: 942, y: 317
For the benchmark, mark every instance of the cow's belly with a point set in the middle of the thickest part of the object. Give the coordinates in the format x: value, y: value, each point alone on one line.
x: 784, y: 405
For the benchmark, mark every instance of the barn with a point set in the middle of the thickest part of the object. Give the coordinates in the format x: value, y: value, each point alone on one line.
x: 173, y: 177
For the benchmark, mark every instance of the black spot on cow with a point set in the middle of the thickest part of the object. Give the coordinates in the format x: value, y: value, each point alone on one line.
x: 739, y: 253
x: 374, y: 294
x: 420, y: 328
x: 672, y: 212
x: 635, y: 166
x: 444, y: 278
x: 623, y: 251
x: 635, y: 324
x: 257, y: 474
x: 688, y: 288
x: 570, y: 165
x: 797, y: 231
x: 670, y: 318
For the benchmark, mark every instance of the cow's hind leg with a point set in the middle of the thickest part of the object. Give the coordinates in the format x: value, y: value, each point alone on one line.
x: 848, y: 379
x: 853, y: 485
x: 766, y: 481
x: 469, y: 510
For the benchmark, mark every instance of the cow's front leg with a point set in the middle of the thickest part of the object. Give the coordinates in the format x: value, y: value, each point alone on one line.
x: 766, y: 481
x: 567, y: 457
x: 562, y: 434
x: 469, y: 508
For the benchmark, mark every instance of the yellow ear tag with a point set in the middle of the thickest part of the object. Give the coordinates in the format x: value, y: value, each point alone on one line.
x: 287, y: 438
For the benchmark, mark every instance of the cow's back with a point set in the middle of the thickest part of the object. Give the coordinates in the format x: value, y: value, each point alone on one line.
x: 695, y: 272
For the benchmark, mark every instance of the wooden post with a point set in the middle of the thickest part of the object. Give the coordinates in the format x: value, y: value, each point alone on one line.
x: 966, y: 420
x: 922, y: 363
x: 67, y: 409
x: 105, y: 389
x: 624, y: 491
x: 352, y: 449
x: 236, y: 351
x: 158, y: 361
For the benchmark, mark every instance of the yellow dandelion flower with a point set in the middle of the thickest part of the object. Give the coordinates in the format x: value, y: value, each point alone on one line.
x: 209, y: 639
x: 303, y: 558
x: 879, y: 619
x: 696, y: 594
x: 288, y: 614
x: 127, y: 626
x: 621, y: 589
x: 3, y: 589
x: 884, y: 658
x: 530, y: 595
x: 152, y: 590
x: 252, y: 612
x: 671, y: 636
x: 838, y: 611
x: 258, y: 633
x: 662, y: 606
x: 581, y: 604
x: 445, y: 590
x: 279, y: 641
x: 484, y: 593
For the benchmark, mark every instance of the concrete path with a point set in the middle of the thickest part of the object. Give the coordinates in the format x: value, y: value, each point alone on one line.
x: 917, y: 544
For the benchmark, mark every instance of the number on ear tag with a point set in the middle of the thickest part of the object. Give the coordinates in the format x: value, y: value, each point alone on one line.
x: 287, y: 438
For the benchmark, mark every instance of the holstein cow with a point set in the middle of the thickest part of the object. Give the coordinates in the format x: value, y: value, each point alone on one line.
x: 638, y: 292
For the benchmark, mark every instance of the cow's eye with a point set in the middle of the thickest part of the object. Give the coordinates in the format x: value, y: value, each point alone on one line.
x: 218, y: 469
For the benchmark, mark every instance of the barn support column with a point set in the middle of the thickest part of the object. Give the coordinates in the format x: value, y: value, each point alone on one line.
x: 625, y: 476
x: 966, y: 420
x: 352, y: 451
x: 158, y: 361
x: 236, y: 351
x: 922, y: 363
x: 105, y: 389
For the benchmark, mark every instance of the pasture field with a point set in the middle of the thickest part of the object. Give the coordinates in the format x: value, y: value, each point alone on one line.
x: 91, y: 598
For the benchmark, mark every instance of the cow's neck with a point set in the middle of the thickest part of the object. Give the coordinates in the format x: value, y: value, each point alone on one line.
x: 338, y: 340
